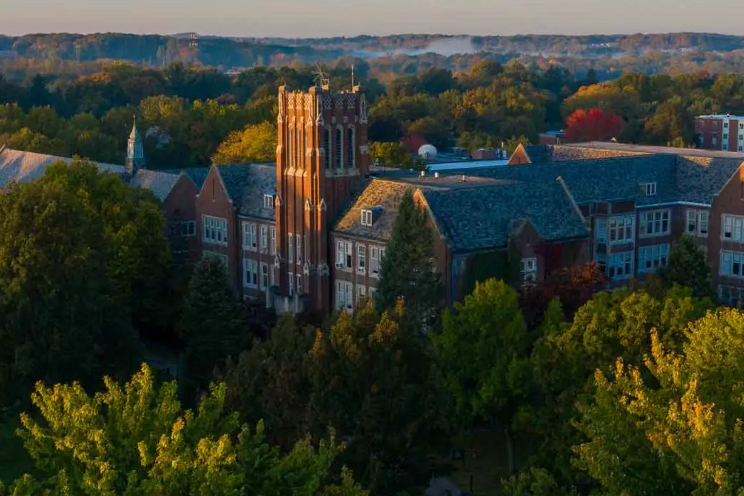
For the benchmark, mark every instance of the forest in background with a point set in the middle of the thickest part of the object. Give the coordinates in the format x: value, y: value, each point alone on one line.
x: 193, y: 116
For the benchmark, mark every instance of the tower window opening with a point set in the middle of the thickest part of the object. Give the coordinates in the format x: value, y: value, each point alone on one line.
x: 339, y: 148
x: 351, y: 148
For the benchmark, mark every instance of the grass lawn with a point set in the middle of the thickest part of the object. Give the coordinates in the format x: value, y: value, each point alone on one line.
x: 14, y: 461
x: 491, y: 464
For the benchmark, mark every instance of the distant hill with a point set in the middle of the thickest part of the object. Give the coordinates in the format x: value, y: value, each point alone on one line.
x: 246, y: 52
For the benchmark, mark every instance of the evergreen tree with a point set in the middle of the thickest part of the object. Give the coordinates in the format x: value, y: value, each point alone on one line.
x: 214, y: 324
x: 687, y: 267
x: 408, y: 270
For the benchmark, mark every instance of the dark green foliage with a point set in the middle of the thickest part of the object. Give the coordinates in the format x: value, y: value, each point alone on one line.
x: 213, y: 325
x: 73, y: 273
x: 408, y: 271
x: 688, y: 267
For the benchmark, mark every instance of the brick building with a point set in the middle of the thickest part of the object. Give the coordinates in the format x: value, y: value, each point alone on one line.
x: 720, y: 132
x: 310, y: 231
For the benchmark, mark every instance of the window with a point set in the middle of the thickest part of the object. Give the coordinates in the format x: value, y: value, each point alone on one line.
x: 344, y: 294
x: 188, y: 228
x: 264, y: 238
x: 290, y: 148
x: 214, y: 230
x: 264, y: 276
x: 250, y: 242
x: 731, y: 296
x: 361, y: 293
x: 327, y: 149
x: 654, y: 223
x: 250, y: 271
x: 697, y: 222
x: 350, y: 148
x: 376, y: 254
x: 299, y: 284
x: 529, y: 270
x: 650, y: 189
x: 731, y: 264
x: 290, y: 248
x: 600, y: 231
x: 621, y: 229
x: 268, y: 201
x: 339, y: 148
x: 366, y: 217
x: 343, y: 254
x: 272, y: 232
x: 620, y: 265
x: 299, y: 249
x: 733, y: 227
x: 361, y: 258
x: 651, y: 258
x: 290, y: 276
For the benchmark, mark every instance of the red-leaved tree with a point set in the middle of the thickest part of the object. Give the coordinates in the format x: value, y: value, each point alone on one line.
x: 592, y: 125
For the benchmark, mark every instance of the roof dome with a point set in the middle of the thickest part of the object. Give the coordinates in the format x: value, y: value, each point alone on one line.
x: 427, y: 152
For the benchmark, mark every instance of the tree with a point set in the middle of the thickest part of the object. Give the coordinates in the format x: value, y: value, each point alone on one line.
x: 255, y: 143
x: 67, y: 282
x: 687, y: 267
x: 484, y: 354
x: 373, y: 380
x: 408, y: 270
x: 393, y: 154
x: 137, y: 440
x: 592, y: 125
x: 213, y: 323
x: 673, y: 424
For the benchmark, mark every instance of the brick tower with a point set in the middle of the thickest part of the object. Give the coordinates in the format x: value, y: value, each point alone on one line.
x: 321, y: 156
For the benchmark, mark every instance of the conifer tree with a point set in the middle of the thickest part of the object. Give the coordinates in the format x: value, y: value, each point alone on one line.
x: 214, y: 323
x: 408, y: 271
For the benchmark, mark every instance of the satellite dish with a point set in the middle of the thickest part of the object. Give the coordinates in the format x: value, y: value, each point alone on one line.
x: 427, y: 152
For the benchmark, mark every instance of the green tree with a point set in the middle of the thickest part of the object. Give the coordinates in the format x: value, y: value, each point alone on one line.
x: 65, y: 278
x: 674, y: 423
x: 255, y: 143
x: 408, y: 269
x: 373, y: 380
x: 687, y: 267
x: 393, y: 154
x: 137, y: 440
x: 213, y: 324
x: 484, y: 353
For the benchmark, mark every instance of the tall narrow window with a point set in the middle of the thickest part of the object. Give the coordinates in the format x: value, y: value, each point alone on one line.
x: 291, y: 147
x: 350, y: 148
x: 298, y: 147
x: 327, y: 148
x: 339, y: 148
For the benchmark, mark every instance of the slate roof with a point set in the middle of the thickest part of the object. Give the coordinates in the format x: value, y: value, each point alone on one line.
x: 197, y: 174
x: 374, y: 192
x: 19, y: 166
x: 561, y: 153
x: 699, y: 179
x: 482, y: 218
x: 159, y: 182
x: 247, y: 185
x: 538, y: 154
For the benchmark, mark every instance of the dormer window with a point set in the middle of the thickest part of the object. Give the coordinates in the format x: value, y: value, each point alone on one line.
x: 650, y: 189
x: 366, y: 217
x: 268, y: 201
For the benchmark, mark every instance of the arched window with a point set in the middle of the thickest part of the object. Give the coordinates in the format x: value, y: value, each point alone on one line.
x: 350, y: 148
x: 290, y: 147
x: 327, y: 148
x: 339, y: 147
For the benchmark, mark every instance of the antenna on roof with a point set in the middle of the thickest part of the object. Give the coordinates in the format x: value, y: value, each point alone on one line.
x: 321, y: 78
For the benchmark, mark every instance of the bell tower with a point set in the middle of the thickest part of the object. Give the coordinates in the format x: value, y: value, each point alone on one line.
x: 135, y: 151
x: 321, y: 156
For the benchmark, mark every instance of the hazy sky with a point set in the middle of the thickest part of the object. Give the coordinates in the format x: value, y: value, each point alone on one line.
x: 302, y: 18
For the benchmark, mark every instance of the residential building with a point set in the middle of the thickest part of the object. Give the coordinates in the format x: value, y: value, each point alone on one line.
x: 720, y: 132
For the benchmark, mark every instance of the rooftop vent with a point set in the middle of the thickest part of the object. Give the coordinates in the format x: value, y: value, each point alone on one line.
x: 436, y: 175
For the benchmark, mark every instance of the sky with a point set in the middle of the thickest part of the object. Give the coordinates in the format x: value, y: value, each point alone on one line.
x: 320, y: 18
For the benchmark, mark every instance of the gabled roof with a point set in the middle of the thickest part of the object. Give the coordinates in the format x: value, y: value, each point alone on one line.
x: 482, y: 218
x: 375, y: 192
x: 699, y: 179
x: 246, y: 186
x: 197, y: 174
x: 159, y: 182
x: 19, y: 166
